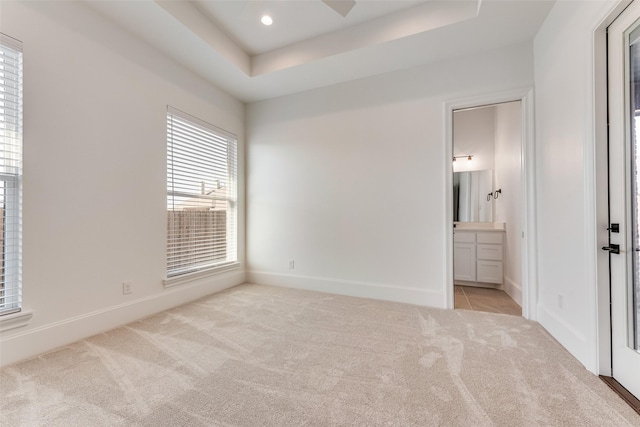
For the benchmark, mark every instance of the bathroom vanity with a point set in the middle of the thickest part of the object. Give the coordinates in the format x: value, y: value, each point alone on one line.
x: 478, y: 254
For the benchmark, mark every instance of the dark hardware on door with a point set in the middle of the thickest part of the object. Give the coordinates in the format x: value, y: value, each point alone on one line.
x: 614, y: 228
x: 613, y: 249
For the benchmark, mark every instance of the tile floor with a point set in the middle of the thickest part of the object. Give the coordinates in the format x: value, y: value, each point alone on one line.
x: 485, y: 299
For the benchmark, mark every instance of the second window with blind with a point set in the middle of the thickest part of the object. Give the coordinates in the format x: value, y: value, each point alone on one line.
x: 201, y: 196
x: 10, y: 175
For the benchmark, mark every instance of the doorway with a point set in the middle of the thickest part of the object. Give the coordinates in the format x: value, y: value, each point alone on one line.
x: 623, y: 64
x: 520, y: 285
x: 487, y: 187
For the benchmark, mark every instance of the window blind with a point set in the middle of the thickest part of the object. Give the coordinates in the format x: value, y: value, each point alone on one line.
x: 201, y: 195
x: 10, y: 174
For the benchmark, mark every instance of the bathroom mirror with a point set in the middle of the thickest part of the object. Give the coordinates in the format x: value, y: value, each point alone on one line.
x: 470, y: 190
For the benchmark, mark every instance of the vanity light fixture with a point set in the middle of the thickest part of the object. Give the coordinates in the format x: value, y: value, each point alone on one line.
x: 266, y: 20
x: 469, y: 157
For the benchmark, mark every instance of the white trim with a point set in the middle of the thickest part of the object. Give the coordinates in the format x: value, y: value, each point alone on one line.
x: 7, y: 40
x: 448, y: 206
x: 529, y: 242
x: 53, y: 335
x: 229, y: 136
x: 352, y: 288
x: 190, y: 277
x: 564, y: 333
x: 15, y: 320
x: 513, y: 289
x: 529, y: 255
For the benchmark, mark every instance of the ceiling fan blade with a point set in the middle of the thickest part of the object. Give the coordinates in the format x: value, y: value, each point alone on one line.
x: 343, y: 7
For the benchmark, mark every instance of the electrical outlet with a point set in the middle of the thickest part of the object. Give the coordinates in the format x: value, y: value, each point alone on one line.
x: 292, y: 264
x: 127, y: 288
x: 560, y: 300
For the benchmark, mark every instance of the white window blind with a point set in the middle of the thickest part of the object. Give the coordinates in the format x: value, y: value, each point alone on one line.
x: 10, y: 174
x: 201, y: 195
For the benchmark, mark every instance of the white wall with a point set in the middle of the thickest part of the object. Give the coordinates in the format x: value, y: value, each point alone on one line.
x: 94, y: 173
x: 565, y: 142
x: 508, y: 205
x: 349, y: 180
x: 474, y: 133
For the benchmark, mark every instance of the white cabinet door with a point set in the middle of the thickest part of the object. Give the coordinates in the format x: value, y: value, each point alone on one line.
x: 464, y: 261
x: 490, y: 272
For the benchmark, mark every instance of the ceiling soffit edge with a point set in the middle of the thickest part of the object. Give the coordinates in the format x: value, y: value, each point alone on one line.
x: 404, y: 23
x: 202, y: 27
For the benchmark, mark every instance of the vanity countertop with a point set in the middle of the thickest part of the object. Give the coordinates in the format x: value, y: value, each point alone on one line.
x: 478, y: 226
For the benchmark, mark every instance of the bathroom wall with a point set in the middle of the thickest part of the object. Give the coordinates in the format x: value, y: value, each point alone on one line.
x: 474, y: 133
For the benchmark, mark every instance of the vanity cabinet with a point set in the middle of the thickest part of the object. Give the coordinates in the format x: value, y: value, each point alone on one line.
x: 478, y: 256
x: 464, y: 256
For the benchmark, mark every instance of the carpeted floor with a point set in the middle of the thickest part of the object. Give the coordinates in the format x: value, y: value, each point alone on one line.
x: 266, y: 356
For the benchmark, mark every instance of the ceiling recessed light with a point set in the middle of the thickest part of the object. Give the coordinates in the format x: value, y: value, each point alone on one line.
x: 266, y: 20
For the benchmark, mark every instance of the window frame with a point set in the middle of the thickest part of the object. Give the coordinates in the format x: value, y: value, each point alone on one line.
x: 179, y: 275
x: 12, y: 208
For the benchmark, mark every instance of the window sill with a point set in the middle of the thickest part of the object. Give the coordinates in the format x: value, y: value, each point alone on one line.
x: 189, y: 277
x: 16, y: 320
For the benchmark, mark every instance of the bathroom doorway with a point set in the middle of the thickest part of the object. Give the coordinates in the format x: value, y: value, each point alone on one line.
x: 487, y: 207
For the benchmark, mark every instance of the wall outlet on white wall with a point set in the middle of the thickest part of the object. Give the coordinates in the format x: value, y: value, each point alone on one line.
x: 292, y: 264
x: 560, y: 301
x: 127, y: 288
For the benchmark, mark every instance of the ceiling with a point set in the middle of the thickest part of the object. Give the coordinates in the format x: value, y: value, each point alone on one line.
x: 295, y: 21
x: 310, y: 45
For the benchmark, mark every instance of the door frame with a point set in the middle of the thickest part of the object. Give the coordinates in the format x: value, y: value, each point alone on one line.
x: 527, y: 170
x: 597, y: 194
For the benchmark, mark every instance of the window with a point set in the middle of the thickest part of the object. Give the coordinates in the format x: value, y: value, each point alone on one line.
x: 10, y: 175
x: 201, y: 195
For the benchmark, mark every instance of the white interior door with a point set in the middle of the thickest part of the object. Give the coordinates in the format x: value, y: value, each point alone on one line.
x: 624, y: 195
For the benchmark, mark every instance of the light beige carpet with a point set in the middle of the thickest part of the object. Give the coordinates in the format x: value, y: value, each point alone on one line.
x: 266, y: 356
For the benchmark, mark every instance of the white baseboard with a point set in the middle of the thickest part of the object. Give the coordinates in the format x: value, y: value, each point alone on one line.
x: 513, y: 289
x: 565, y: 334
x: 352, y: 288
x: 478, y: 284
x: 32, y: 342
